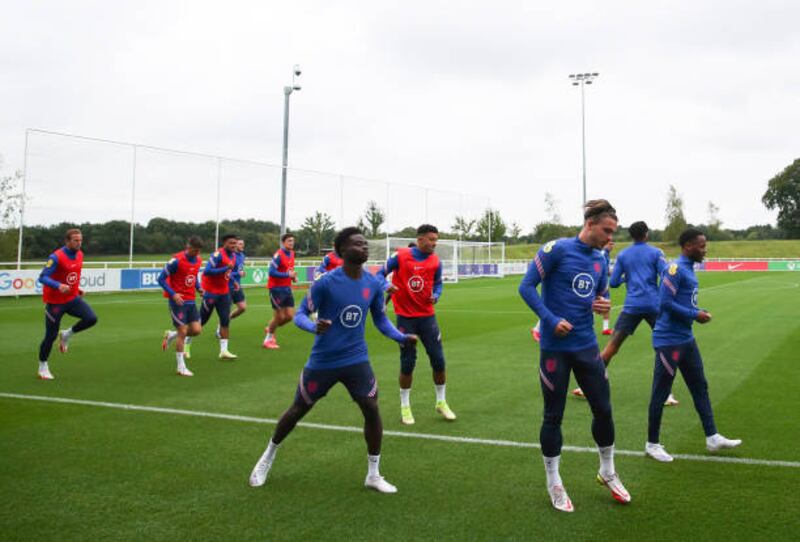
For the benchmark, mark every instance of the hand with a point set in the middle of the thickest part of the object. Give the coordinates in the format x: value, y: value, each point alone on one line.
x: 703, y: 317
x: 323, y: 326
x: 563, y: 328
x: 293, y: 275
x: 411, y: 340
x: 231, y: 265
x: 64, y: 288
x: 80, y: 292
x: 391, y: 289
x: 601, y: 305
x: 178, y: 299
x: 434, y: 299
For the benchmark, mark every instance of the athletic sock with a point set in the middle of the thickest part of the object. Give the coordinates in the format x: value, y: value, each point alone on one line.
x: 223, y: 345
x: 272, y: 449
x: 43, y: 366
x: 373, y: 462
x: 606, y: 460
x: 179, y: 359
x: 405, y: 397
x: 551, y: 471
x: 439, y: 393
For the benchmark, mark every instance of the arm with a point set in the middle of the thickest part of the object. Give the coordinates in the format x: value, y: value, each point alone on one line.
x: 211, y: 267
x: 617, y: 274
x: 381, y: 321
x: 170, y: 268
x: 273, y: 269
x: 437, y: 284
x: 50, y: 268
x: 667, y: 293
x: 323, y: 266
x: 537, y: 270
x: 302, y: 318
x: 392, y: 264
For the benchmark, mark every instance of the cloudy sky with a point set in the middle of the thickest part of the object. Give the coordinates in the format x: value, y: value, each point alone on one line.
x: 470, y: 99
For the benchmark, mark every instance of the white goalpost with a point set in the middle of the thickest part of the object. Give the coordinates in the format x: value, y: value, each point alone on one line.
x: 460, y: 259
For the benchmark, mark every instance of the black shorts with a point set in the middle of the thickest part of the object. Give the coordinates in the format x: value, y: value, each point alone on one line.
x: 281, y: 297
x: 183, y: 315
x: 627, y: 322
x: 314, y: 384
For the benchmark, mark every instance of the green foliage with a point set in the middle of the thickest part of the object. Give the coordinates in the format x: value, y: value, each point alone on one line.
x: 547, y: 231
x: 491, y: 226
x: 316, y: 233
x: 373, y: 219
x: 783, y: 193
x: 676, y: 222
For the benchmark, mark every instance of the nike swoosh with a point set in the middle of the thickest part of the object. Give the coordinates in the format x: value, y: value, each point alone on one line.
x: 732, y: 267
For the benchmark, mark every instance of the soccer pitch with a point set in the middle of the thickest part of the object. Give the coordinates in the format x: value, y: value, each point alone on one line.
x: 87, y: 471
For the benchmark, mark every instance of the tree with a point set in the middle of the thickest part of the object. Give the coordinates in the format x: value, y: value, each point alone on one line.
x: 463, y: 226
x: 515, y: 231
x: 551, y: 208
x: 491, y: 226
x: 714, y: 223
x: 373, y: 220
x: 320, y: 226
x: 783, y: 193
x: 676, y: 222
x: 10, y: 198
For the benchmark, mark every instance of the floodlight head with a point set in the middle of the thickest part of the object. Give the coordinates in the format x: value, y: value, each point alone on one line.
x: 595, y: 74
x: 297, y: 70
x: 572, y: 76
x: 575, y: 84
x: 589, y: 82
x: 296, y: 87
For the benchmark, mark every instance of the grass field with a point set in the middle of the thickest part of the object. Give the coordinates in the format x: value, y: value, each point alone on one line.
x: 89, y: 472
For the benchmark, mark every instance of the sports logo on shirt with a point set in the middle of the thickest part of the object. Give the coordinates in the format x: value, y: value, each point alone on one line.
x: 695, y: 294
x: 351, y: 316
x: 583, y: 285
x: 673, y: 269
x: 416, y: 283
x: 72, y: 278
x: 548, y: 247
x: 189, y: 280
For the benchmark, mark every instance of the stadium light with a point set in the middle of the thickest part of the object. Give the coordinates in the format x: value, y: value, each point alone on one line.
x: 287, y: 91
x: 582, y: 79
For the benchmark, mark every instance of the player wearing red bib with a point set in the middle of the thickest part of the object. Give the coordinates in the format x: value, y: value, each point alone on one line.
x: 61, y: 279
x: 179, y: 281
x: 216, y: 291
x: 416, y: 287
x: 281, y: 277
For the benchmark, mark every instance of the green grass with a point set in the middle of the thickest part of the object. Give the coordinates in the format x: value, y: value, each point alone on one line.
x: 72, y: 472
x: 716, y: 249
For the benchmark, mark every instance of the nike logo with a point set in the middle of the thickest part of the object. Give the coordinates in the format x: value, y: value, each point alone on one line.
x: 732, y: 267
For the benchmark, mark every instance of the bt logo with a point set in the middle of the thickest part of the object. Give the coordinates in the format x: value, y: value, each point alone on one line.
x: 416, y: 283
x: 351, y: 316
x: 583, y: 285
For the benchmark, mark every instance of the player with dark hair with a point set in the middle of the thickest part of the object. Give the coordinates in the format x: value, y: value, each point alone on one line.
x: 330, y: 261
x: 61, y: 293
x: 415, y: 288
x: 342, y: 298
x: 573, y: 275
x: 235, y: 284
x: 676, y: 348
x: 281, y: 277
x: 217, y: 292
x: 179, y: 281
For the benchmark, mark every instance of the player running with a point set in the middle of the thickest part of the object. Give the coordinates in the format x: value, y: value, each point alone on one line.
x: 416, y: 287
x: 217, y: 293
x: 179, y: 281
x: 573, y: 275
x: 342, y: 299
x: 676, y: 348
x: 329, y: 262
x: 61, y: 293
x: 281, y: 277
x: 235, y: 284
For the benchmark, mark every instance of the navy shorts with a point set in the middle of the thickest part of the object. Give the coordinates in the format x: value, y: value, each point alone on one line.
x: 281, y: 297
x: 628, y: 322
x: 183, y: 315
x: 237, y: 294
x: 359, y: 380
x: 427, y: 329
x: 220, y: 303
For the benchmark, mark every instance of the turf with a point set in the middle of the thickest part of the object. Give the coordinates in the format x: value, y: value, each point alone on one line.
x: 74, y: 472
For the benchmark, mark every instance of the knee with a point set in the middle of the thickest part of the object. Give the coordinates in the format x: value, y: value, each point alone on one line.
x: 407, y: 364
x: 552, y: 419
x: 602, y: 411
x: 90, y: 320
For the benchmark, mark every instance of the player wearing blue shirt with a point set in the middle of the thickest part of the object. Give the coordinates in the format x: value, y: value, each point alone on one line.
x: 341, y: 299
x: 639, y: 267
x: 574, y: 276
x: 676, y: 348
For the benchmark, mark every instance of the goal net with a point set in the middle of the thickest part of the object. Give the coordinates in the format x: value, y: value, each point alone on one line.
x: 460, y: 259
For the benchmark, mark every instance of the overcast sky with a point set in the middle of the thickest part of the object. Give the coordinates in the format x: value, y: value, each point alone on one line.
x: 466, y: 97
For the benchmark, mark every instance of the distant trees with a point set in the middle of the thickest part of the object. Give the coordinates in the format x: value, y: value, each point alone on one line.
x: 783, y: 193
x: 676, y: 221
x: 491, y: 226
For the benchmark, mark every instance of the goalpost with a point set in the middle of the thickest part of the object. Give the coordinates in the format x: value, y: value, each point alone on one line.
x: 460, y: 259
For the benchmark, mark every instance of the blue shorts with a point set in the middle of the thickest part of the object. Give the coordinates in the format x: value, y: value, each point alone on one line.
x: 237, y: 294
x: 220, y: 303
x: 281, y: 297
x: 628, y: 322
x: 314, y: 384
x: 183, y: 315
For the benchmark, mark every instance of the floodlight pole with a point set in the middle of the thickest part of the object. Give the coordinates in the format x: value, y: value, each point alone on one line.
x: 582, y: 79
x: 287, y: 91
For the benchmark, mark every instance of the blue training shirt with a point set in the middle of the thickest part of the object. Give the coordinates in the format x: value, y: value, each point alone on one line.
x: 572, y: 274
x: 639, y: 267
x: 238, y: 269
x: 345, y: 302
x: 678, y: 302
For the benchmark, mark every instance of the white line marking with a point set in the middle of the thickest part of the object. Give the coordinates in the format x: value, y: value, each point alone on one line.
x: 350, y: 429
